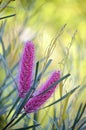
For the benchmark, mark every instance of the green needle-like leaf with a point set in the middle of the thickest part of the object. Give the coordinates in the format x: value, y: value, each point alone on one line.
x: 4, y: 109
x: 20, y: 118
x: 55, y: 83
x: 79, y: 128
x: 27, y: 128
x: 44, y: 69
x: 23, y: 101
x: 73, y: 90
x: 16, y: 102
x: 78, y: 115
x: 9, y: 16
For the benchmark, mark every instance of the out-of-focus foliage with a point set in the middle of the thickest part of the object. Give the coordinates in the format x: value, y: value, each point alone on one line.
x: 43, y: 22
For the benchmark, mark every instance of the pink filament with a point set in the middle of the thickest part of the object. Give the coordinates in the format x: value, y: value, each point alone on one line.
x: 36, y: 101
x: 26, y: 69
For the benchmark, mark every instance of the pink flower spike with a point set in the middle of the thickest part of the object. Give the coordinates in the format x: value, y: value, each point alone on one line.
x: 26, y: 69
x: 37, y: 100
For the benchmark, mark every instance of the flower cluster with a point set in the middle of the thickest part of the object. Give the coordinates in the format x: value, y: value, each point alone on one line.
x: 26, y: 69
x: 26, y: 77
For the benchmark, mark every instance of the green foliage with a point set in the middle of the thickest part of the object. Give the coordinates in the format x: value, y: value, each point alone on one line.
x: 67, y: 107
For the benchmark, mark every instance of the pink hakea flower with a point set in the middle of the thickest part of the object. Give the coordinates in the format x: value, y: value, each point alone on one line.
x: 26, y: 69
x: 36, y: 101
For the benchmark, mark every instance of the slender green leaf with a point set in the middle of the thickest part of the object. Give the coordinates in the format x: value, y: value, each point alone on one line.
x: 63, y: 125
x: 44, y: 69
x: 4, y: 61
x: 81, y: 113
x: 3, y: 47
x: 9, y: 16
x: 16, y: 102
x: 2, y: 29
x: 7, y: 96
x: 4, y: 109
x: 78, y: 115
x: 35, y: 118
x: 36, y: 72
x: 7, y: 51
x: 54, y: 84
x: 5, y: 4
x: 29, y: 117
x: 6, y: 79
x: 54, y: 123
x: 2, y: 88
x: 19, y: 119
x: 79, y: 128
x: 23, y: 101
x: 14, y: 67
x: 26, y: 128
x: 37, y: 66
x: 7, y: 125
x: 47, y: 65
x: 73, y: 90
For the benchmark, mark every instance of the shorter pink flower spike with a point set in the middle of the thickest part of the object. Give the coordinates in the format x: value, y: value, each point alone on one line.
x: 26, y: 69
x: 37, y: 100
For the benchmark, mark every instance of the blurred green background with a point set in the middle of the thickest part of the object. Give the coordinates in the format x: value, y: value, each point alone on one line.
x: 41, y: 21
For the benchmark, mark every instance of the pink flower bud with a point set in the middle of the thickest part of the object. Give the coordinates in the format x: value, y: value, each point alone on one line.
x: 26, y: 69
x: 37, y: 100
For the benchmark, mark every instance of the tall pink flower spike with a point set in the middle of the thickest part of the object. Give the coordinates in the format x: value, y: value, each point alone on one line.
x: 26, y: 69
x: 36, y: 101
